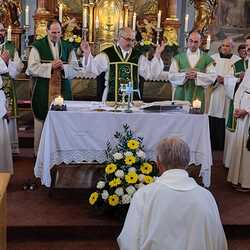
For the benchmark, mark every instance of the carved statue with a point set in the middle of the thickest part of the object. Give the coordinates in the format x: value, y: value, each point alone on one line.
x: 146, y: 29
x: 205, y: 13
x: 146, y: 7
x: 170, y: 36
x: 9, y: 12
x: 71, y: 29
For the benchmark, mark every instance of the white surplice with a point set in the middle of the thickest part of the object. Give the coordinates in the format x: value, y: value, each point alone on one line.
x: 239, y: 171
x: 6, y: 163
x: 173, y: 213
x: 149, y: 70
x: 203, y: 79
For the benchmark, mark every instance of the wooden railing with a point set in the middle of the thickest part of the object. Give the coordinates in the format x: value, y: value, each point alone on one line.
x: 4, y: 180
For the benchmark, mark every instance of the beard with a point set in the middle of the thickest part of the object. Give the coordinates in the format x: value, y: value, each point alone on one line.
x: 1, y: 39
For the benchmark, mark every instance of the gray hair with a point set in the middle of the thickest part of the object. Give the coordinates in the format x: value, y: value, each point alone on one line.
x: 124, y: 31
x: 173, y: 153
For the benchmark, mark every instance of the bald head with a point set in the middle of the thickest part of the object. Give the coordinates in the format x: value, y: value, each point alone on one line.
x: 227, y: 46
x: 194, y: 41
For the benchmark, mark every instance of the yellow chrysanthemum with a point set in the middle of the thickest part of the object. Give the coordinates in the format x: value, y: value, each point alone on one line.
x: 130, y: 160
x: 146, y: 168
x: 115, y: 182
x: 133, y: 144
x: 148, y: 179
x: 93, y: 198
x: 131, y: 177
x: 110, y: 168
x: 113, y: 200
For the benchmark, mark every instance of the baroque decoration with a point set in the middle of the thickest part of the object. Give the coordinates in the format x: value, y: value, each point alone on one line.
x: 127, y: 169
x: 10, y: 11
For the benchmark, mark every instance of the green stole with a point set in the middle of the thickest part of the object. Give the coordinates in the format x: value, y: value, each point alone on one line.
x: 189, y: 91
x: 121, y: 70
x: 9, y: 86
x: 41, y: 87
x: 239, y: 66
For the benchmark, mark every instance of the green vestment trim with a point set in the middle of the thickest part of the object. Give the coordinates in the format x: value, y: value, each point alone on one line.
x: 120, y: 69
x: 189, y: 91
x: 41, y: 86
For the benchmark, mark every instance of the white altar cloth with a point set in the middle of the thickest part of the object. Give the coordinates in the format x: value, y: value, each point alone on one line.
x: 80, y: 134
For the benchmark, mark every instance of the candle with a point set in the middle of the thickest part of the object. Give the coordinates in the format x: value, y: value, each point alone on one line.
x: 208, y: 42
x: 134, y: 22
x: 27, y: 16
x: 121, y: 22
x: 9, y: 33
x: 58, y: 101
x: 197, y: 104
x: 60, y: 12
x: 126, y: 18
x: 186, y: 23
x: 159, y: 20
x: 85, y: 18
x: 97, y: 22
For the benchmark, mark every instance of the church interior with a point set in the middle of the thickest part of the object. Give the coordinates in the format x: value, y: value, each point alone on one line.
x: 48, y: 194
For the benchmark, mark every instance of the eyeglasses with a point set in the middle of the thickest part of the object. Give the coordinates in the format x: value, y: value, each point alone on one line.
x: 128, y: 39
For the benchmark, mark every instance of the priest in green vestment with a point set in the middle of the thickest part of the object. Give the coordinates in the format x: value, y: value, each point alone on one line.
x: 191, y: 72
x: 52, y: 62
x: 122, y: 63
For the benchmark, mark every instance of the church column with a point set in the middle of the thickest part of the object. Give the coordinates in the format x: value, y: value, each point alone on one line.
x: 171, y: 11
x: 91, y: 8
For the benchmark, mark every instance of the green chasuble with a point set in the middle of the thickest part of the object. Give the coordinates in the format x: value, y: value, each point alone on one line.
x: 239, y: 66
x: 41, y: 85
x: 189, y: 91
x: 121, y: 70
x: 9, y: 86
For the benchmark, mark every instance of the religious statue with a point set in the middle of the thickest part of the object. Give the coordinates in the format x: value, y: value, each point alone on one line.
x: 205, y: 13
x: 170, y: 36
x: 9, y: 12
x: 146, y: 29
x: 71, y: 30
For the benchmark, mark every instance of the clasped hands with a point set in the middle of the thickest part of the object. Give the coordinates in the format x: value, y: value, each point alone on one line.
x: 240, y: 113
x: 57, y: 64
x: 191, y: 74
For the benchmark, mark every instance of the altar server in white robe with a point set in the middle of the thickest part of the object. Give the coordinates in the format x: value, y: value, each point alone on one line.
x: 191, y: 72
x: 6, y: 163
x: 219, y: 102
x: 121, y: 62
x: 174, y: 212
x: 239, y: 171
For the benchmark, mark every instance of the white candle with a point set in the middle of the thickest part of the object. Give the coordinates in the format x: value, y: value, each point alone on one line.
x: 97, y: 22
x: 134, y: 22
x: 159, y: 20
x: 186, y: 23
x: 196, y: 104
x: 27, y: 16
x: 85, y: 18
x: 121, y: 22
x: 126, y: 18
x: 60, y: 13
x: 58, y: 101
x: 9, y: 33
x: 208, y: 44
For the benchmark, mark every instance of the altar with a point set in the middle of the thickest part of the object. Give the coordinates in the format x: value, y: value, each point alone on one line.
x: 81, y: 133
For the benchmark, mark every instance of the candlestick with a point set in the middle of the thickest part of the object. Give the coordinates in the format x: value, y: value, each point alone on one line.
x: 27, y: 16
x: 208, y: 42
x: 134, y: 22
x: 85, y: 18
x: 186, y: 23
x: 60, y: 12
x: 196, y: 104
x: 159, y: 20
x: 9, y: 33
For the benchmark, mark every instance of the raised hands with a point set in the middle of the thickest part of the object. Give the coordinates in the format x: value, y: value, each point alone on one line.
x: 159, y: 49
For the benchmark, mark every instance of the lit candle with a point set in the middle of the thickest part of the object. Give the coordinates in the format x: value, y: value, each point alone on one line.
x: 126, y: 18
x: 9, y: 33
x: 58, y: 101
x: 208, y: 42
x: 60, y: 12
x: 134, y: 22
x: 121, y: 22
x: 97, y: 22
x: 159, y: 20
x: 27, y: 16
x: 85, y: 18
x: 196, y: 104
x: 186, y: 23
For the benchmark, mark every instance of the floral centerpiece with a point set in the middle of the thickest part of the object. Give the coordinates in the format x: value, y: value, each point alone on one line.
x: 126, y: 170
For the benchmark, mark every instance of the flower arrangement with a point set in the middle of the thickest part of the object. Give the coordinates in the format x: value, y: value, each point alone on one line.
x: 126, y: 170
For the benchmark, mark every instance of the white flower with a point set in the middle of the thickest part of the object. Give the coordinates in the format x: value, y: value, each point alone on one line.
x: 100, y: 184
x: 118, y: 156
x: 119, y: 173
x: 105, y: 195
x: 126, y: 199
x: 119, y: 191
x: 71, y: 39
x: 140, y: 185
x: 141, y: 177
x: 141, y: 154
x: 132, y: 169
x: 130, y: 190
x: 128, y: 153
